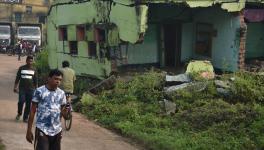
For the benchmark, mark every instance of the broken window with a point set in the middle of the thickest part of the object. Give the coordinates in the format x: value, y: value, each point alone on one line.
x: 100, y: 35
x: 73, y: 45
x: 92, y: 49
x: 80, y: 33
x: 204, y: 34
x: 63, y: 34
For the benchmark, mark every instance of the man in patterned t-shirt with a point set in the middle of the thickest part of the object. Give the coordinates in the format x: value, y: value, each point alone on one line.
x: 49, y: 102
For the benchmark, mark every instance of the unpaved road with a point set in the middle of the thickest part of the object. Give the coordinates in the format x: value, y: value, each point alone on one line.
x: 84, y: 135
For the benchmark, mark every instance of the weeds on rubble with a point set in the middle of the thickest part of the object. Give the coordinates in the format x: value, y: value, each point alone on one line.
x: 203, y: 120
x: 248, y: 88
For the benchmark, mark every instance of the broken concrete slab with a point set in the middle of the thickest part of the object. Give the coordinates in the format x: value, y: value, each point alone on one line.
x: 168, y: 106
x: 175, y: 88
x: 106, y: 84
x: 192, y: 87
x: 223, y: 91
x: 222, y: 84
x: 178, y: 78
x: 232, y: 79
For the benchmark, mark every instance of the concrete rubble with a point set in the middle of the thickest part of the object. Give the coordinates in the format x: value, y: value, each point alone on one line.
x: 182, y: 78
x: 168, y: 106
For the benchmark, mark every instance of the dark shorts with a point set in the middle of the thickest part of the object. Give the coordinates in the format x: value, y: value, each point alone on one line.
x: 45, y: 142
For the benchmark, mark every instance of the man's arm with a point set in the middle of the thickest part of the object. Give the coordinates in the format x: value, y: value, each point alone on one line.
x: 35, y: 79
x: 17, y: 80
x: 64, y: 108
x: 29, y: 135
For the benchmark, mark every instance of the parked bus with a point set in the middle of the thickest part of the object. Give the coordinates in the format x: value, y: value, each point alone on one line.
x: 5, y: 37
x: 31, y: 34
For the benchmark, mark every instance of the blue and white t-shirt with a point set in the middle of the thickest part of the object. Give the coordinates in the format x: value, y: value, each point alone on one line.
x: 49, y: 109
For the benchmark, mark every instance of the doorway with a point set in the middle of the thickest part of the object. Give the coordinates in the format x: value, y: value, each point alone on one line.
x: 172, y: 44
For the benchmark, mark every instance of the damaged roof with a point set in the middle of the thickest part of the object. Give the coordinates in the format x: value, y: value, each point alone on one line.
x: 229, y: 5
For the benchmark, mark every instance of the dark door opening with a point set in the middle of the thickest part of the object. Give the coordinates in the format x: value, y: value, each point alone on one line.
x: 172, y: 44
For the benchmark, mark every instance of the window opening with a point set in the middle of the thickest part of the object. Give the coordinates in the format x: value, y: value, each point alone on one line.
x: 73, y: 45
x: 80, y: 33
x: 63, y: 34
x: 92, y: 49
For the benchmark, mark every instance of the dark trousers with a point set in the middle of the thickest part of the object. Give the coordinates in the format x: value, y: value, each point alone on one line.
x: 24, y: 96
x: 45, y: 142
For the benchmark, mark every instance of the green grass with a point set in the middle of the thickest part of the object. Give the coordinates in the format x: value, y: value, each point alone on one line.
x: 204, y: 120
x: 2, y: 146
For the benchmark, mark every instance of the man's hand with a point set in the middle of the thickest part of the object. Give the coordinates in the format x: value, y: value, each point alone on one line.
x: 64, y: 111
x: 29, y: 136
x: 16, y: 90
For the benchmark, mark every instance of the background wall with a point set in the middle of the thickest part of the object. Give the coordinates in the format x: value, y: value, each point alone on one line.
x: 255, y: 40
x: 225, y: 44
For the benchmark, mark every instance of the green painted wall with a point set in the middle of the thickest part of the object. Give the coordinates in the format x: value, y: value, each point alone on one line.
x: 187, y: 44
x: 147, y: 52
x: 131, y: 21
x: 225, y: 44
x: 255, y: 40
x: 70, y: 16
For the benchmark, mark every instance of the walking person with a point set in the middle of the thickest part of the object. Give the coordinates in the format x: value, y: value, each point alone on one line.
x: 25, y: 83
x: 34, y: 48
x: 49, y: 102
x: 19, y: 47
x: 68, y: 79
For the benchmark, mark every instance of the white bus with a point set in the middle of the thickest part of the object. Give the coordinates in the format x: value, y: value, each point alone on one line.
x: 5, y: 35
x: 31, y: 34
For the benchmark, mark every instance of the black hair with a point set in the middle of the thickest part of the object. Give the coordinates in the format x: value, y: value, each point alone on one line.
x: 29, y: 57
x: 65, y: 64
x: 55, y: 72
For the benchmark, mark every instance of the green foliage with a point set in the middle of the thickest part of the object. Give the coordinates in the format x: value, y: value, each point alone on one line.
x: 42, y: 66
x: 147, y: 87
x: 2, y: 146
x: 248, y: 88
x: 204, y: 119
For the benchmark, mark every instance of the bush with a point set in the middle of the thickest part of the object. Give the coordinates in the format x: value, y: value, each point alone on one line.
x: 42, y: 66
x: 248, y: 88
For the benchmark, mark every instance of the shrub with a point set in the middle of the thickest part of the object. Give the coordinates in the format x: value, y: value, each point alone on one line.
x: 248, y: 88
x: 42, y: 66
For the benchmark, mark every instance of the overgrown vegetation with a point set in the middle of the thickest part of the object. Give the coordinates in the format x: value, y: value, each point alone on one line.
x: 42, y: 66
x: 203, y: 120
x: 2, y: 146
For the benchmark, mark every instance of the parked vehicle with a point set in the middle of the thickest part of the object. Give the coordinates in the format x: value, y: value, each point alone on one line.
x: 29, y: 34
x: 5, y: 37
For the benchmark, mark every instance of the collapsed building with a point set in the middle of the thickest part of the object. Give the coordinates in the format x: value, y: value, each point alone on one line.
x: 98, y: 37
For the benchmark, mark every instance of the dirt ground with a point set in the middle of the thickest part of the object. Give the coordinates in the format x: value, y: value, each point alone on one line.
x: 84, y: 135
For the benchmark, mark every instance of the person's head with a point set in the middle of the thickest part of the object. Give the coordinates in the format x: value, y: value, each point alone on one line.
x: 65, y: 64
x: 29, y: 60
x: 54, y: 79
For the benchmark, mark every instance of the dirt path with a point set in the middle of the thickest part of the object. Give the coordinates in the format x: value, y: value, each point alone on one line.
x: 84, y: 134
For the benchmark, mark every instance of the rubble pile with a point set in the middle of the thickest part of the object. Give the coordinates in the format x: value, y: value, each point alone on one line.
x: 256, y: 65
